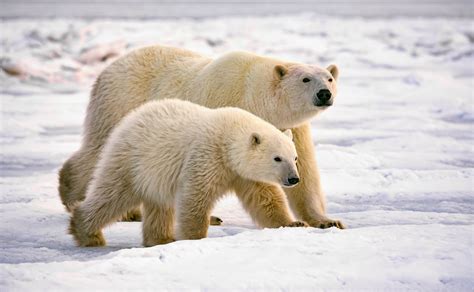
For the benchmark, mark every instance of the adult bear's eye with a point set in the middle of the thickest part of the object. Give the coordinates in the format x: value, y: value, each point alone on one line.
x: 277, y: 159
x: 330, y: 79
x: 306, y: 80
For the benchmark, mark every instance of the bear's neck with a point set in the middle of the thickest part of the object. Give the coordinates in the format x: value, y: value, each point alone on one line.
x: 232, y: 124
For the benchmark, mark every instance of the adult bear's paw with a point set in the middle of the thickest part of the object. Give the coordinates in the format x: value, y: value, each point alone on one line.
x: 134, y: 215
x: 215, y: 221
x: 327, y: 223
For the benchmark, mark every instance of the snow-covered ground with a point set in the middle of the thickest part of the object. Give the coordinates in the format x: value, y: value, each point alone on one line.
x: 395, y: 152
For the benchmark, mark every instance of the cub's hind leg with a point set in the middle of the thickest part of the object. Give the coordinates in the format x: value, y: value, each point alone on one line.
x: 104, y: 205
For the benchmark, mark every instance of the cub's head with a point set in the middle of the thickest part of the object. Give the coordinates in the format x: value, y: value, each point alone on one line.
x: 303, y: 91
x: 267, y: 156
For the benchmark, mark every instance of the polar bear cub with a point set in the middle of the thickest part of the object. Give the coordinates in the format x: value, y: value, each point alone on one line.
x: 177, y: 158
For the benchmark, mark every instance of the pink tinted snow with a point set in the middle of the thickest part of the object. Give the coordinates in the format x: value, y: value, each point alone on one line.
x: 103, y: 52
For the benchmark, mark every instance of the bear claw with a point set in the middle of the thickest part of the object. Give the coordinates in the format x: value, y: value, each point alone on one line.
x: 132, y: 216
x: 298, y: 224
x: 329, y: 224
x: 216, y: 220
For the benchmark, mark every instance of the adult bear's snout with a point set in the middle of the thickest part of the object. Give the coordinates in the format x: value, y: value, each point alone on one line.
x: 324, y: 95
x: 322, y: 98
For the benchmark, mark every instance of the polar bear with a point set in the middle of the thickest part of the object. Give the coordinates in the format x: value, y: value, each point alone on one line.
x: 286, y: 94
x: 176, y: 157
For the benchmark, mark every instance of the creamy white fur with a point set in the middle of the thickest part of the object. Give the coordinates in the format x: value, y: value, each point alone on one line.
x: 176, y: 154
x: 270, y: 88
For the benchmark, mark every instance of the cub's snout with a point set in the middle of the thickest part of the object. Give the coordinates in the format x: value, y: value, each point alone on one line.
x: 291, y: 181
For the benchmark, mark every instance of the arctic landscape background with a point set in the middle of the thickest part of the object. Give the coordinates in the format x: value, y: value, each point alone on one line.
x: 395, y: 151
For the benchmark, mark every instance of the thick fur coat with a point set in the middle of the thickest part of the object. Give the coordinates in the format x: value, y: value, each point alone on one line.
x: 176, y: 159
x: 286, y: 94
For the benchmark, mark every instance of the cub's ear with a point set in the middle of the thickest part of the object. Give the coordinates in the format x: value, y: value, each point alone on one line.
x: 333, y: 70
x: 255, y: 139
x: 280, y: 71
x: 289, y: 133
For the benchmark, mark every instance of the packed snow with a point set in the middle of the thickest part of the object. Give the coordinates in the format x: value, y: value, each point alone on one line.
x: 395, y: 154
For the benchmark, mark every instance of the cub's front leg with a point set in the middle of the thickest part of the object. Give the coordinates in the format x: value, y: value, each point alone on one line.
x: 193, y: 208
x: 266, y: 204
x: 158, y: 223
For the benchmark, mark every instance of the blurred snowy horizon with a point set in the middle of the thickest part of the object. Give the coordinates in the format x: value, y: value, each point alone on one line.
x: 139, y: 9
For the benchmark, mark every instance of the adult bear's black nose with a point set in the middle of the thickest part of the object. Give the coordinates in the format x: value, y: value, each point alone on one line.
x: 293, y: 180
x: 324, y: 95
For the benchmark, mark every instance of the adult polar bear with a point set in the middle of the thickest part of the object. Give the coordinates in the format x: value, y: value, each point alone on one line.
x: 286, y: 94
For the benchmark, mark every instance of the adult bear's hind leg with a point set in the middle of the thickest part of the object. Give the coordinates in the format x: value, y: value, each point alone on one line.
x: 133, y: 215
x: 75, y: 175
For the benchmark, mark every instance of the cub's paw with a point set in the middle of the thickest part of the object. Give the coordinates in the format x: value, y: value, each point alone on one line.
x: 298, y: 224
x: 328, y: 223
x: 215, y: 221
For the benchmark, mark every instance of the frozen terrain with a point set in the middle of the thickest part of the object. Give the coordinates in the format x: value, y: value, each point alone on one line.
x: 395, y: 153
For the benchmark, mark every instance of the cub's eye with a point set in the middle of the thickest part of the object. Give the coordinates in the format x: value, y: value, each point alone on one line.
x: 277, y: 159
x: 296, y: 158
x: 330, y: 79
x: 306, y: 80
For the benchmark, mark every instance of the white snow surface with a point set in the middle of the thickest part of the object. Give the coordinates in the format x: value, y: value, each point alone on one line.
x: 395, y: 154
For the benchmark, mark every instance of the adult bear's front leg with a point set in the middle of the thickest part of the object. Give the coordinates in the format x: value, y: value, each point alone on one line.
x: 307, y: 198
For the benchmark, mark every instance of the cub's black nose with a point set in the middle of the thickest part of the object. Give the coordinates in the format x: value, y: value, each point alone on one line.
x: 293, y: 180
x: 324, y: 95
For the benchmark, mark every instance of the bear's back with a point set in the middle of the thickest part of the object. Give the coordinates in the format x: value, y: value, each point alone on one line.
x: 153, y: 142
x: 172, y: 120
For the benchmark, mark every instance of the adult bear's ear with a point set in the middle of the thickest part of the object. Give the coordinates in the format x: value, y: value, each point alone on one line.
x: 333, y: 70
x: 289, y: 133
x: 280, y: 71
x: 255, y: 139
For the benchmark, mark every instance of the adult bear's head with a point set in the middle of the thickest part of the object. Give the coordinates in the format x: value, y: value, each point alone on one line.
x: 284, y: 93
x: 303, y: 91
